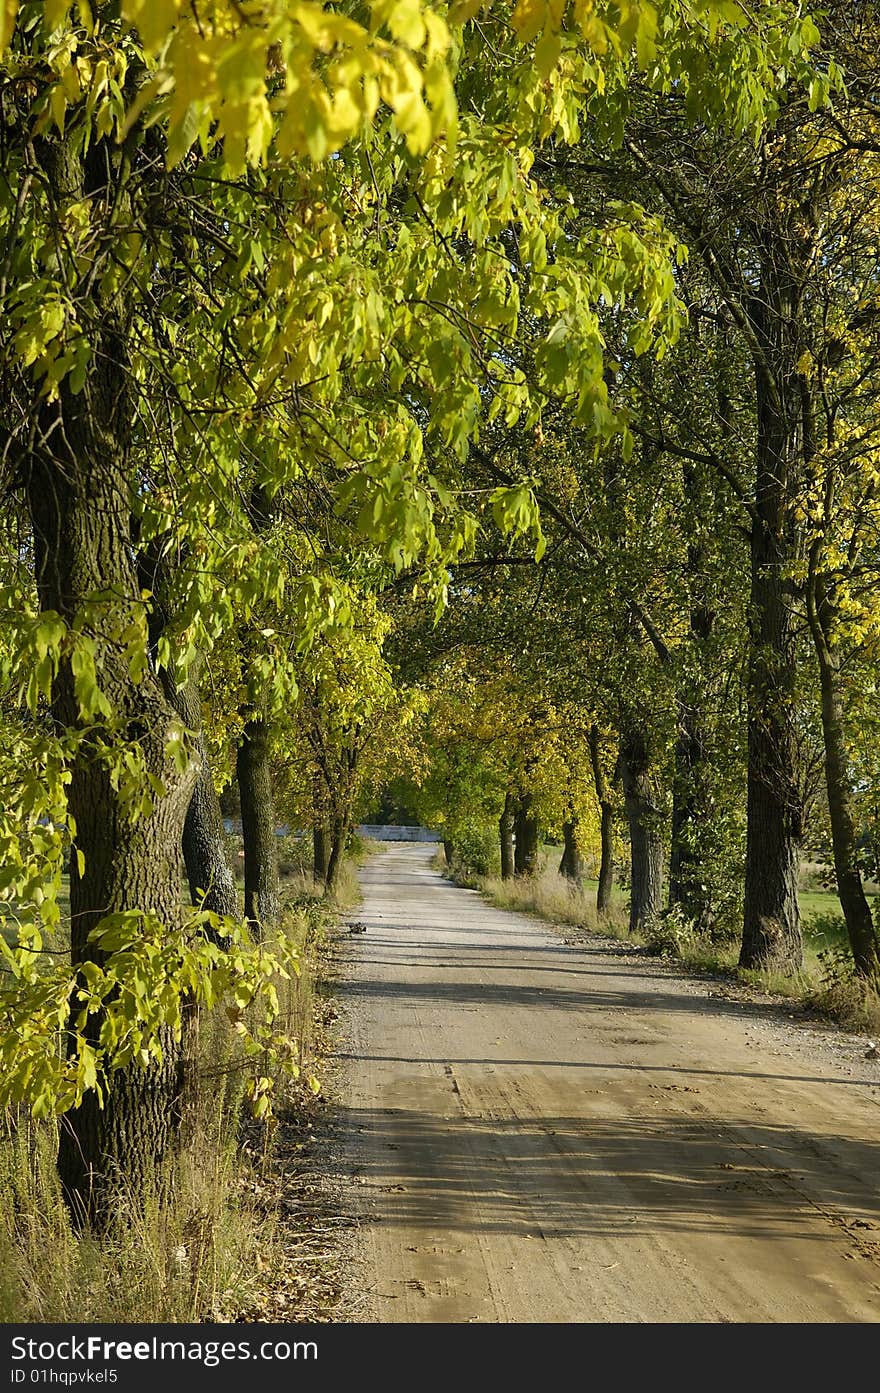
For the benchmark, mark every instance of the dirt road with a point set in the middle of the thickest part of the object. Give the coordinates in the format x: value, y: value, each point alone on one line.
x: 540, y: 1132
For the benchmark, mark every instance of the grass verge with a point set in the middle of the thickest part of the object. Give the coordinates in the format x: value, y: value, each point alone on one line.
x: 826, y: 984
x: 244, y: 1235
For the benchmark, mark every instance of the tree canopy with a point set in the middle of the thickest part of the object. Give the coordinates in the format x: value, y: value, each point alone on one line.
x: 472, y: 391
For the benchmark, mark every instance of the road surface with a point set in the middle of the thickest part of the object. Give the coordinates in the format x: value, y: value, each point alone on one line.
x: 539, y: 1132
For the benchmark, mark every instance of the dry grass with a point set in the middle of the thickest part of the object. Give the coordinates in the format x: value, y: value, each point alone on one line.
x: 826, y: 984
x: 221, y: 1246
x: 183, y: 1261
x: 552, y: 897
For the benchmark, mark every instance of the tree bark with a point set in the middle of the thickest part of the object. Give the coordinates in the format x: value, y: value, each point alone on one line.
x: 211, y: 885
x: 689, y: 887
x: 860, y: 928
x: 320, y: 852
x: 645, y: 831
x: 526, y: 847
x: 771, y: 922
x: 505, y: 834
x: 210, y: 877
x: 571, y: 866
x: 262, y: 904
x: 687, y: 882
x: 605, y: 889
x: 338, y: 836
x: 79, y: 506
x: 606, y: 825
x: 77, y: 484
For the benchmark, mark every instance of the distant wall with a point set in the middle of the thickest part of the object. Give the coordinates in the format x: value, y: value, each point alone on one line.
x: 374, y: 831
x: 398, y: 834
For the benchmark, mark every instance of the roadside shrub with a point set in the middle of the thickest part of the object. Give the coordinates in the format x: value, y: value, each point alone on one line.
x: 827, y: 928
x: 359, y: 848
x: 843, y: 994
x: 295, y: 855
x: 670, y: 934
x: 476, y: 851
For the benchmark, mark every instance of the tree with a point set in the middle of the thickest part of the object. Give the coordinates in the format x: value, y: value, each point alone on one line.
x: 348, y: 733
x: 195, y: 300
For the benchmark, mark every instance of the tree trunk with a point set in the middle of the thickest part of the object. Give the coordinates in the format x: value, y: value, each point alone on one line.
x: 856, y: 910
x: 606, y: 824
x: 320, y: 832
x: 262, y: 904
x: 211, y: 886
x: 645, y: 831
x: 571, y: 866
x: 691, y: 804
x: 78, y: 487
x: 687, y: 881
x: 505, y: 833
x: 605, y: 888
x: 771, y: 922
x: 338, y: 837
x: 320, y: 852
x: 79, y: 505
x: 525, y: 858
x: 210, y: 877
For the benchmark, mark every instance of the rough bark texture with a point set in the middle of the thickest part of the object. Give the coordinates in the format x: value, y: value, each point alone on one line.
x: 338, y: 837
x: 525, y: 858
x: 606, y: 824
x: 856, y: 910
x: 320, y: 852
x: 210, y: 877
x: 771, y: 925
x: 211, y: 885
x: 262, y: 904
x: 79, y: 502
x: 505, y: 836
x: 605, y: 888
x: 689, y: 887
x: 687, y: 883
x: 645, y: 830
x: 571, y: 866
x: 320, y: 832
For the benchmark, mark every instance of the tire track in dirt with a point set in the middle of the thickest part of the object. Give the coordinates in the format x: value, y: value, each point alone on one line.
x: 551, y: 1133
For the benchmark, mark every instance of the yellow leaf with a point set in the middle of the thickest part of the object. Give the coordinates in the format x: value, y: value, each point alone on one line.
x: 153, y: 19
x: 55, y: 11
x: 529, y: 18
x: 58, y: 103
x: 8, y: 11
x: 547, y: 51
x: 463, y: 10
x: 405, y: 22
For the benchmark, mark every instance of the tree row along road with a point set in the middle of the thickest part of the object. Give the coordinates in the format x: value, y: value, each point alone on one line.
x: 540, y: 1132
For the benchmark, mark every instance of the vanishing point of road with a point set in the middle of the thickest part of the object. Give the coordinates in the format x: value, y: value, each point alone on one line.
x: 545, y: 1132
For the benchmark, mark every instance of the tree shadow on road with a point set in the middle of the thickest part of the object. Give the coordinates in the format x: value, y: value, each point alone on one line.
x: 558, y: 1176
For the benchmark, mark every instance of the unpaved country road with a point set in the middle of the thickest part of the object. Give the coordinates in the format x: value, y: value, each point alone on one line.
x: 537, y: 1132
